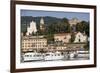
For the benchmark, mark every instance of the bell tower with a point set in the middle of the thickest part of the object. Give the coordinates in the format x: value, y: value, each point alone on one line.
x: 42, y: 25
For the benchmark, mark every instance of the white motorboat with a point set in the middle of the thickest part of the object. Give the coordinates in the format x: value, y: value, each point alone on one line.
x: 73, y: 55
x: 32, y: 56
x: 54, y: 56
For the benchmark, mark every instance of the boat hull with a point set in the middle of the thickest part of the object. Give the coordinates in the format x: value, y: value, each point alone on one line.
x: 54, y: 57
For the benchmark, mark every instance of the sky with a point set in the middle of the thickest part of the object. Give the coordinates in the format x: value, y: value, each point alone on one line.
x: 58, y: 14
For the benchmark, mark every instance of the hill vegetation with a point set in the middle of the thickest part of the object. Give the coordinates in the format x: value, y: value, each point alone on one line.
x: 54, y: 25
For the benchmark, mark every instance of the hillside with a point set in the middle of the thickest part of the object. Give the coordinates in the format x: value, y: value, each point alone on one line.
x: 25, y: 21
x: 54, y: 25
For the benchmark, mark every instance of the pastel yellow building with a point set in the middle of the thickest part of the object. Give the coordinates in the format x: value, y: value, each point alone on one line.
x: 30, y: 43
x: 64, y: 37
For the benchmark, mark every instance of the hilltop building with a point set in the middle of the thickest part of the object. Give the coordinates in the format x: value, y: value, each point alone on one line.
x: 42, y: 25
x: 32, y: 28
x: 74, y: 21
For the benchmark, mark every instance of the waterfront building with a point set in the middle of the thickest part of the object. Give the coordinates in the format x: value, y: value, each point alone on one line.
x: 80, y: 38
x: 31, y: 43
x: 63, y: 37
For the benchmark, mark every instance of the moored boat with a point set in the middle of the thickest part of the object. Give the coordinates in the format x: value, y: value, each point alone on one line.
x: 32, y: 56
x: 54, y: 56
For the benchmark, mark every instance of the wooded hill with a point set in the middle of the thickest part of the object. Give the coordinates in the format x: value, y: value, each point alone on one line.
x: 54, y: 25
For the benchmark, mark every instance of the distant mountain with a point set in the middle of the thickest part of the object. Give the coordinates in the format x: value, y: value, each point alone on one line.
x: 25, y: 21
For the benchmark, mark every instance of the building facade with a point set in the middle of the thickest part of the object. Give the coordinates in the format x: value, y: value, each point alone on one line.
x: 30, y: 43
x: 32, y: 28
x: 64, y: 37
x: 74, y: 21
x: 80, y: 38
x: 42, y: 25
x: 61, y: 40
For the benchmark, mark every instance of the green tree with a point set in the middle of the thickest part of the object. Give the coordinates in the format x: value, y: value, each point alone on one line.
x: 72, y: 37
x: 65, y: 26
x: 49, y: 37
x: 83, y: 27
x: 86, y: 46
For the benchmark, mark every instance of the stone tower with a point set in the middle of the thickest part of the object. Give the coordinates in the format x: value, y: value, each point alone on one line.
x: 42, y: 25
